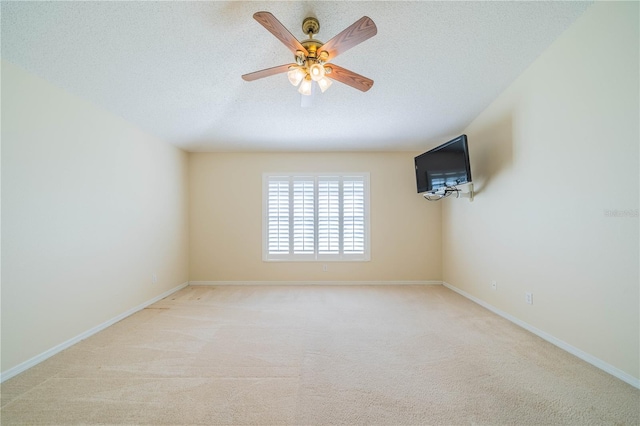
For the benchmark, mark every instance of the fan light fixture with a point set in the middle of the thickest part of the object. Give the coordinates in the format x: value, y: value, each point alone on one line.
x: 295, y: 76
x: 305, y: 76
x: 309, y: 67
x: 316, y: 71
x: 305, y: 87
x: 324, y: 83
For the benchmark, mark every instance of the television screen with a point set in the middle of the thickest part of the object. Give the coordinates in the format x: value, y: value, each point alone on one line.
x: 444, y: 166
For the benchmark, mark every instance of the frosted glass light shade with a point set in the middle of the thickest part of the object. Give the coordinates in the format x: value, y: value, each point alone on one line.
x: 295, y: 76
x: 324, y: 83
x: 305, y: 87
x: 316, y: 71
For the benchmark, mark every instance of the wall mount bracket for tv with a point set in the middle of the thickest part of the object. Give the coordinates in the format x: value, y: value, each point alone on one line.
x: 466, y: 192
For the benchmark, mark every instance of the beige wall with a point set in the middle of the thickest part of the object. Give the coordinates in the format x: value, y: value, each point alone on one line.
x: 226, y: 219
x: 550, y: 157
x: 91, y: 208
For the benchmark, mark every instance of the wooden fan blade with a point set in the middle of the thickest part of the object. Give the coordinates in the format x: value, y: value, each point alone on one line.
x: 267, y: 72
x: 349, y: 78
x: 274, y: 26
x: 361, y: 30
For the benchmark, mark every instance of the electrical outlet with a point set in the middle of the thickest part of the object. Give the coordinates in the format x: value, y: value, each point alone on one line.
x: 528, y: 297
x: 154, y: 278
x: 494, y: 285
x: 325, y: 268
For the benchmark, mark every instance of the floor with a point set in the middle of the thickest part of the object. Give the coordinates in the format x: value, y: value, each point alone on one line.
x: 316, y: 355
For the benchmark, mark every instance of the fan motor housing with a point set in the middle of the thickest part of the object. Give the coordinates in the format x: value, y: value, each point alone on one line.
x: 312, y: 46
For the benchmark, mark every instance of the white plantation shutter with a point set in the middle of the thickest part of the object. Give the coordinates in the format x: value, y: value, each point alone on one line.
x: 303, y: 216
x: 328, y: 216
x: 278, y: 216
x: 353, y: 217
x: 316, y: 217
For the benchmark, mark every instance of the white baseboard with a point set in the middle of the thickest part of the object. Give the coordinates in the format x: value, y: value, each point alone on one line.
x: 14, y: 371
x: 303, y: 283
x: 597, y: 362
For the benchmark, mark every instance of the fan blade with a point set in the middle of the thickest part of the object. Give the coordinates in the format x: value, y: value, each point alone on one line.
x: 361, y: 30
x: 274, y: 26
x: 267, y: 72
x: 349, y: 78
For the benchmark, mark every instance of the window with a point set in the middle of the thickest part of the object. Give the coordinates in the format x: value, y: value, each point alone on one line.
x: 316, y: 217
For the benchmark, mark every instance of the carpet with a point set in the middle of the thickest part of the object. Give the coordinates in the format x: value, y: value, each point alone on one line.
x: 307, y: 355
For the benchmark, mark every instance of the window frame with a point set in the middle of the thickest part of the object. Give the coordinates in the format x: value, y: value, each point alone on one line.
x: 316, y: 256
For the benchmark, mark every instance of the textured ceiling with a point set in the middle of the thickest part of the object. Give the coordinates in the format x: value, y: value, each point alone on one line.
x: 173, y: 68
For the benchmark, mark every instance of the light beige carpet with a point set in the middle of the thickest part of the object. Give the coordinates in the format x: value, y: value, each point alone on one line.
x: 316, y: 355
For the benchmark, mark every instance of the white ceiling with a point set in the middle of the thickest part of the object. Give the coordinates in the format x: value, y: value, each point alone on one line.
x: 173, y: 68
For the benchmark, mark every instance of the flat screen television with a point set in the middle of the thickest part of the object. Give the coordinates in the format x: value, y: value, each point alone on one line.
x: 444, y: 166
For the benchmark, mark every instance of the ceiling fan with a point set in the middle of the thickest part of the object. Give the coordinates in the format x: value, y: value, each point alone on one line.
x: 312, y: 56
